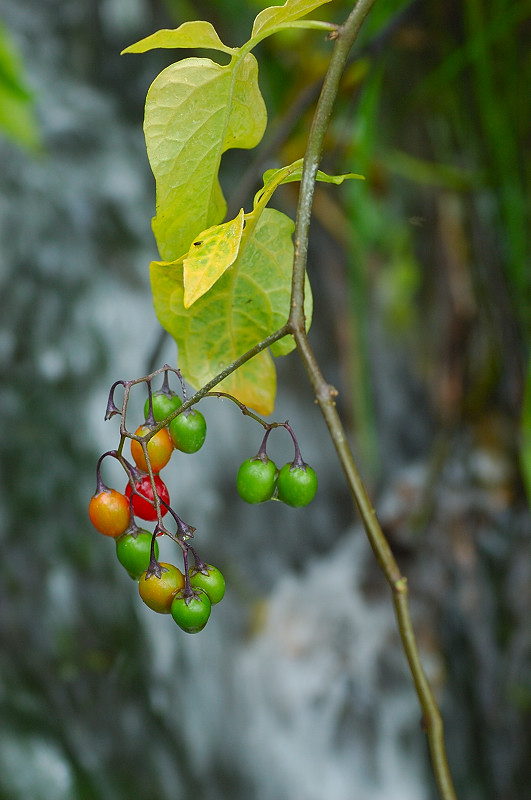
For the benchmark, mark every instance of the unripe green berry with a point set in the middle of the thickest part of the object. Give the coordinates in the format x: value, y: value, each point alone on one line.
x: 210, y: 579
x: 296, y: 486
x: 134, y: 552
x: 188, y: 431
x: 191, y: 613
x: 256, y: 480
x: 162, y: 405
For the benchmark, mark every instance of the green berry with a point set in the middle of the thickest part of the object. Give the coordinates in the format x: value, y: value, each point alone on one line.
x: 134, y: 552
x: 188, y: 431
x: 191, y: 613
x: 296, y: 485
x: 162, y: 405
x: 210, y: 579
x: 256, y: 480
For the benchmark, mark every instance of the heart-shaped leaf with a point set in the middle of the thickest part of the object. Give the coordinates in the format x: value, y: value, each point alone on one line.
x: 218, y: 248
x: 195, y: 111
x: 249, y: 302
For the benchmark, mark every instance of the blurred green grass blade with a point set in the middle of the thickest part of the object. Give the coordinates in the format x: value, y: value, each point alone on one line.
x: 501, y: 25
x: 430, y: 173
x: 17, y: 115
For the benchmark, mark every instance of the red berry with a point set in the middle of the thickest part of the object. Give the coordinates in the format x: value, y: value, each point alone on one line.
x: 143, y: 507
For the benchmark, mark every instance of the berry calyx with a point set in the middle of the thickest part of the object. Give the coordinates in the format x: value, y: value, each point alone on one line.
x: 256, y: 479
x: 109, y: 512
x: 296, y: 485
x: 143, y: 505
x: 159, y: 447
x: 158, y: 593
x: 191, y: 612
x: 188, y: 431
x: 210, y: 579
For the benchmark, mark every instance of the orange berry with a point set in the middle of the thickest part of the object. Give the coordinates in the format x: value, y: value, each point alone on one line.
x: 109, y: 512
x: 160, y: 448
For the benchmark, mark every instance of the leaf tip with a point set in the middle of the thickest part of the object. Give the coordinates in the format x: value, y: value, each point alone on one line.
x: 189, y: 298
x: 130, y: 49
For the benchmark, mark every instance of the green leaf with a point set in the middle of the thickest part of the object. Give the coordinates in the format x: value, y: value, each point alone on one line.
x: 209, y: 257
x: 195, y: 111
x: 17, y: 116
x: 18, y: 122
x: 218, y: 248
x: 274, y: 177
x: 248, y: 302
x: 189, y: 34
x: 278, y: 15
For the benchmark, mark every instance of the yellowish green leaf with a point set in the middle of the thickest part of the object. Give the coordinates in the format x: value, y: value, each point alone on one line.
x: 248, y: 302
x: 274, y: 177
x: 218, y: 248
x: 195, y: 111
x: 293, y: 172
x: 209, y: 257
x: 189, y: 34
x: 278, y: 15
x: 254, y: 383
x: 18, y: 121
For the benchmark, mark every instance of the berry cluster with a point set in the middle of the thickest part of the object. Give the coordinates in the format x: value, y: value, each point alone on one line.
x: 259, y: 479
x: 171, y: 424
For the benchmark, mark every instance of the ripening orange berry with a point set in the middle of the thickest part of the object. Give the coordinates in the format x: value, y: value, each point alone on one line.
x: 109, y: 512
x: 160, y: 448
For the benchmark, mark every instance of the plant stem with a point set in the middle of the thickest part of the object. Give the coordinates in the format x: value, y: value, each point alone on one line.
x: 325, y: 397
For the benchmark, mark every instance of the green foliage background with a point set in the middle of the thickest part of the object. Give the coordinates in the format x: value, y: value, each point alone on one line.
x: 17, y: 117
